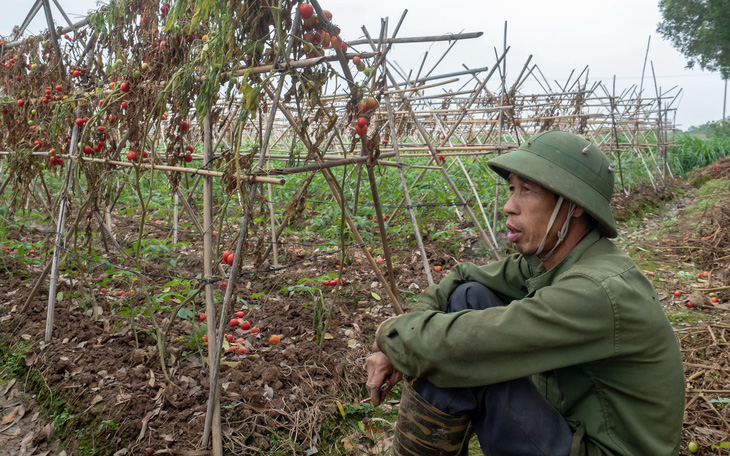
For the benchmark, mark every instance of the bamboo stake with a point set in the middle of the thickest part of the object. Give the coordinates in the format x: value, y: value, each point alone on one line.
x: 424, y: 39
x: 285, y: 221
x: 407, y: 195
x: 31, y: 15
x: 59, y: 245
x: 175, y: 216
x: 54, y: 37
x: 242, y: 177
x: 381, y: 224
x: 450, y: 182
x: 331, y: 181
x: 213, y: 416
x: 214, y: 405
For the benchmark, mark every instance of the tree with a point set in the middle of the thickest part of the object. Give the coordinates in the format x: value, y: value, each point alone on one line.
x: 699, y: 29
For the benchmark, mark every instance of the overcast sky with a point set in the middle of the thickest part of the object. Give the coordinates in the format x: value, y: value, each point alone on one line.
x: 610, y: 37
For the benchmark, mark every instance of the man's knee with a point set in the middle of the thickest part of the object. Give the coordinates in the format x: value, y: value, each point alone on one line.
x: 473, y: 295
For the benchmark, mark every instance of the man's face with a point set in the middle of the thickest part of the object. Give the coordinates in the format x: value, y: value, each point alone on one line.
x: 528, y: 212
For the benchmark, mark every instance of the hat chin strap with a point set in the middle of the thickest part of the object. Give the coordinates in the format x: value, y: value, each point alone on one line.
x: 561, y: 234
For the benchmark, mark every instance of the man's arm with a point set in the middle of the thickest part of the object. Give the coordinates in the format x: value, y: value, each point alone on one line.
x: 568, y: 323
x: 506, y: 278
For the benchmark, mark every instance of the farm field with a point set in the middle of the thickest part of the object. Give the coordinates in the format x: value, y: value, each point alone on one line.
x: 102, y: 387
x: 206, y: 211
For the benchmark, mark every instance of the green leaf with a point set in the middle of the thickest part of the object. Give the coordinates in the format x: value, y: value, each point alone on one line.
x: 375, y: 295
x: 59, y: 296
x: 186, y: 314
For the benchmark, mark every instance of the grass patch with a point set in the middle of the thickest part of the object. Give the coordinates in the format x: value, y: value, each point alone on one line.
x: 685, y: 317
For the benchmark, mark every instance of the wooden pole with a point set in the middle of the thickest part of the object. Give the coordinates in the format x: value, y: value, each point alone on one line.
x: 213, y: 416
x: 381, y: 222
x: 54, y: 37
x: 332, y: 182
x: 407, y: 194
x: 214, y: 405
x: 175, y: 216
x: 450, y: 182
x: 59, y: 245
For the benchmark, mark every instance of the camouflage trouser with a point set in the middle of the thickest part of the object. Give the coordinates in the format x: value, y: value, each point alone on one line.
x: 509, y: 418
x: 424, y: 430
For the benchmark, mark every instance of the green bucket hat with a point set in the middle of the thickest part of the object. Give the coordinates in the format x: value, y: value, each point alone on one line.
x: 569, y: 166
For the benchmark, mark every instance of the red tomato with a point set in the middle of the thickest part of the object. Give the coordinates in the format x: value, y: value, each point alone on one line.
x: 245, y: 325
x: 255, y: 330
x: 239, y: 314
x: 202, y: 317
x: 306, y: 10
x: 233, y: 323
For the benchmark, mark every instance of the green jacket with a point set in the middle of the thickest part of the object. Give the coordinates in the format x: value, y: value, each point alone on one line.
x: 590, y: 331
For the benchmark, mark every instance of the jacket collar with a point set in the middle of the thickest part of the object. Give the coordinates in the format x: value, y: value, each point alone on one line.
x: 542, y: 278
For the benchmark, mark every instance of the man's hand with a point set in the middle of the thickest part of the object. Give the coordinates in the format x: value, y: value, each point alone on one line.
x: 380, y: 369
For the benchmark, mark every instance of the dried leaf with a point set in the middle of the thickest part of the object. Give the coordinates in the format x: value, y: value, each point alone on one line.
x: 43, y: 434
x: 340, y: 408
x: 10, y: 417
x: 348, y: 445
x: 375, y: 295
x: 30, y: 359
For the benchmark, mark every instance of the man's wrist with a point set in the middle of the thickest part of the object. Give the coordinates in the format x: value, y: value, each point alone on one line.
x: 377, y: 331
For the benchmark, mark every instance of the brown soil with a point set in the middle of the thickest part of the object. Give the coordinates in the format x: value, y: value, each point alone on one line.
x: 108, y: 374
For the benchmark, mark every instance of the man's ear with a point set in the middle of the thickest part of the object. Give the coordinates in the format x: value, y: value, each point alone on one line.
x: 578, y: 212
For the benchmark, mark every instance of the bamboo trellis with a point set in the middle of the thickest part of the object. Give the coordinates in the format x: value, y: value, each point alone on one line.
x: 433, y: 123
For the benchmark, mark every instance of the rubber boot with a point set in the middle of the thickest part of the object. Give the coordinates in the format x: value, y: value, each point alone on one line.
x: 424, y: 430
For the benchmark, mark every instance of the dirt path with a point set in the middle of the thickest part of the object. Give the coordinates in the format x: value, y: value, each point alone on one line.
x: 23, y: 431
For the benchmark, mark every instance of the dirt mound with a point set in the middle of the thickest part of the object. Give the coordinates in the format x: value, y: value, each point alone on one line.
x: 717, y: 170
